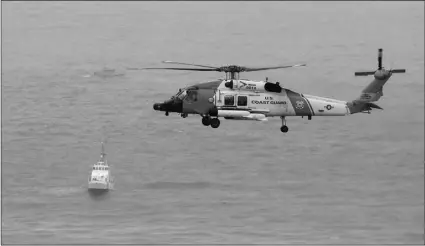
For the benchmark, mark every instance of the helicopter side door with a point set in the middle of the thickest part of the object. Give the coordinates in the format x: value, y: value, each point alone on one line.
x: 242, y: 101
x: 231, y: 100
x: 227, y: 100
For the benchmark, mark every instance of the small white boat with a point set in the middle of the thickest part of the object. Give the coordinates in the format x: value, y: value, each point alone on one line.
x: 100, y: 178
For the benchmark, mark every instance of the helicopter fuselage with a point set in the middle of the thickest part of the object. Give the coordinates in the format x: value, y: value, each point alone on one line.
x: 249, y: 100
x: 240, y: 99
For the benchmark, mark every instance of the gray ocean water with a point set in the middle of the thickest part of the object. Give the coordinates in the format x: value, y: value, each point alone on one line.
x: 355, y: 179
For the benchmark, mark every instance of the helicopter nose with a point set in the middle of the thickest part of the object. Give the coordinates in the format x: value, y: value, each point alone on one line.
x: 157, y: 106
x: 169, y: 106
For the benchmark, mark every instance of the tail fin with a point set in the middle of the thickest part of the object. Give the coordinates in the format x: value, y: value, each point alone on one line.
x: 374, y: 90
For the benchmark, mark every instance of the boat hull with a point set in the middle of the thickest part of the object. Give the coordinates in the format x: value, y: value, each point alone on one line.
x: 98, y: 186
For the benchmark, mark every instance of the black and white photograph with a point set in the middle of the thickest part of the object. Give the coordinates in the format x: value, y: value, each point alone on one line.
x: 212, y: 122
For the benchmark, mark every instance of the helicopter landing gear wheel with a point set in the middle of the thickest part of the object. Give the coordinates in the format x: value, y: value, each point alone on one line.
x: 206, y: 121
x: 284, y: 128
x: 215, y: 122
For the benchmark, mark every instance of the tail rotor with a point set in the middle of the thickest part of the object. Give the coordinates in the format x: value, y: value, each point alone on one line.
x: 380, y: 67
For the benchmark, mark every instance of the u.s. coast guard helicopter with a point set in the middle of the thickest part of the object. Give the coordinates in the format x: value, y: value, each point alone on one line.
x: 237, y: 99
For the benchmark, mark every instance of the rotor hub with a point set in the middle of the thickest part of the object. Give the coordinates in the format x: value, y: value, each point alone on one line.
x: 232, y: 69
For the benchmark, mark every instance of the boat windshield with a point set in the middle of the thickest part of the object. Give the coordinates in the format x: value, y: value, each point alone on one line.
x: 100, y: 168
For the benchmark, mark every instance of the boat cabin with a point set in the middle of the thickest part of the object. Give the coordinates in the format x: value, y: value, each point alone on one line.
x: 100, y: 172
x: 101, y: 166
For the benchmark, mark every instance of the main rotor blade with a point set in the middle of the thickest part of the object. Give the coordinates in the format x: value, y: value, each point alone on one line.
x: 268, y: 68
x: 172, y: 68
x: 190, y: 64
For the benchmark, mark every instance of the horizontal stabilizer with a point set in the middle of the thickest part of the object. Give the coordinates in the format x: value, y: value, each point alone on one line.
x: 380, y: 68
x: 372, y: 105
x: 364, y: 107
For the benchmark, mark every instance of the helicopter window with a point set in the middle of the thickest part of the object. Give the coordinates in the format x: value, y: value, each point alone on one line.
x: 242, y: 100
x: 229, y: 100
x: 192, y: 96
x: 181, y: 95
x: 178, y: 94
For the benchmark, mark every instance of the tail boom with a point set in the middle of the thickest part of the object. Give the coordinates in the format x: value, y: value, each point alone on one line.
x: 322, y: 106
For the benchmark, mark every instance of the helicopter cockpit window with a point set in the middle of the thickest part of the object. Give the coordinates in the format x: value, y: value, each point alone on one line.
x: 242, y: 100
x: 192, y: 96
x: 229, y: 100
x: 181, y: 95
